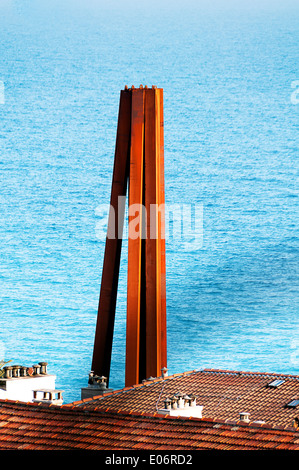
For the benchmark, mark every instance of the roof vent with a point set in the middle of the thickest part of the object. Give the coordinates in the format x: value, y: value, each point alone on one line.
x: 150, y: 379
x: 244, y: 416
x: 164, y: 372
x: 181, y: 405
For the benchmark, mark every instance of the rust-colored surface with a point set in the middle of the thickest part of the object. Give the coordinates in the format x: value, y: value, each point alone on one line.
x: 107, y: 303
x: 139, y: 159
x: 152, y: 242
x: 135, y: 234
x: 162, y: 239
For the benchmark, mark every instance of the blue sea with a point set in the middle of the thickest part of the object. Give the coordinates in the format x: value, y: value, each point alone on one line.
x: 230, y: 75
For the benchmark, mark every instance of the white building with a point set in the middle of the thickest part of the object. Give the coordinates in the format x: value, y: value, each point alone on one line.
x: 29, y: 384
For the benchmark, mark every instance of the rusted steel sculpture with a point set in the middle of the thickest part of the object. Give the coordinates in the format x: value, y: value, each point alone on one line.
x: 138, y: 163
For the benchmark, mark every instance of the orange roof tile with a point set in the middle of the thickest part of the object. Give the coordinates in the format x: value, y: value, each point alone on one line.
x: 223, y: 395
x: 28, y: 426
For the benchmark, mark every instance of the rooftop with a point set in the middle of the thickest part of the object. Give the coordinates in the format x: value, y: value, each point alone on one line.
x: 224, y: 395
x: 28, y: 426
x: 130, y: 418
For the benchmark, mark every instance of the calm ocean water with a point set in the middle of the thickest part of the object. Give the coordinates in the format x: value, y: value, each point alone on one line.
x: 231, y: 145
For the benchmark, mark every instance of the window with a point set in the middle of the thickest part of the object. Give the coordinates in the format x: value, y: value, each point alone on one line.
x: 275, y: 383
x: 293, y: 403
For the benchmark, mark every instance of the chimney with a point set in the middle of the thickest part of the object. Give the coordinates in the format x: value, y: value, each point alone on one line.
x: 167, y: 403
x: 192, y: 401
x: 19, y: 383
x: 36, y: 368
x: 16, y: 371
x: 23, y: 372
x: 181, y: 405
x: 180, y: 400
x: 102, y: 382
x: 186, y: 399
x: 43, y: 367
x: 96, y: 386
x: 7, y: 372
x: 164, y: 372
x: 174, y: 402
x: 244, y: 416
x: 53, y: 397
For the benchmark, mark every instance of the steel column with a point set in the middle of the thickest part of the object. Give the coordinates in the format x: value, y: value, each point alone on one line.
x: 162, y: 235
x: 152, y: 242
x: 139, y: 161
x: 106, y: 311
x: 135, y: 237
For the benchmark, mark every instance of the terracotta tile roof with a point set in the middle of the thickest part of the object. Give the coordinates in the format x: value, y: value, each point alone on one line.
x: 223, y: 395
x: 28, y: 426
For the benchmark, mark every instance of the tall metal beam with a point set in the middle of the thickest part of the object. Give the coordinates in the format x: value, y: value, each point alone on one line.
x: 152, y: 242
x: 162, y: 233
x: 108, y: 295
x: 135, y: 236
x: 139, y: 161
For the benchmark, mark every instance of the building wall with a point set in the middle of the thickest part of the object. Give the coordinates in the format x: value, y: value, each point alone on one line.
x: 21, y: 388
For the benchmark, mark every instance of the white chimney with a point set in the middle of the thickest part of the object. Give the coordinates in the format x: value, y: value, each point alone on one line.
x: 181, y: 405
x: 244, y: 416
x: 53, y: 397
x: 20, y: 383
